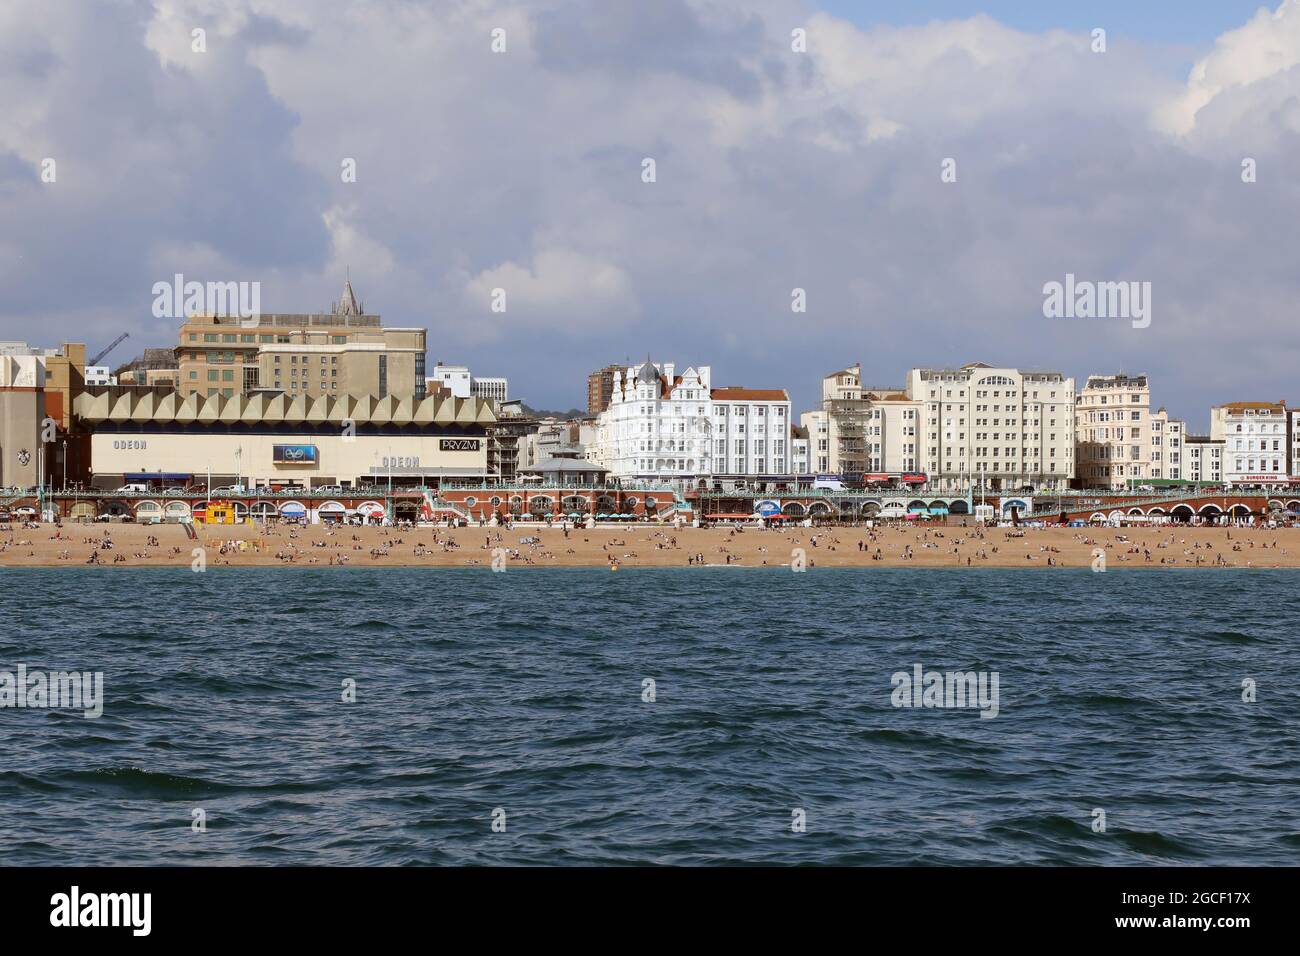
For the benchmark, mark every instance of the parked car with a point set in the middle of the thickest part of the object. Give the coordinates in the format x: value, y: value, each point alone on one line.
x: 227, y: 490
x: 329, y: 490
x: 130, y: 489
x: 176, y: 491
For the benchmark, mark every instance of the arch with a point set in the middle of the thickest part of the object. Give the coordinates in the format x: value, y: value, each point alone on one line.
x: 958, y: 506
x: 1182, y: 512
x: 334, y: 510
x: 177, y: 511
x: 819, y: 508
x: 540, y: 505
x: 1156, y: 511
x: 870, y: 509
x: 82, y: 510
x: 1135, y: 512
x: 1097, y: 516
x: 793, y: 508
x: 1239, y: 511
x: 605, y: 504
x: 262, y: 510
x: 116, y: 508
x: 916, y: 504
x: 1275, y: 505
x: 572, y: 503
x: 407, y: 509
x: 1017, y: 503
x: 293, y: 509
x: 148, y: 510
x: 1210, y: 511
x: 240, y: 509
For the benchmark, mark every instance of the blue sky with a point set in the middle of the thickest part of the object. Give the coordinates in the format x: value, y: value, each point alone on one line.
x: 1159, y: 21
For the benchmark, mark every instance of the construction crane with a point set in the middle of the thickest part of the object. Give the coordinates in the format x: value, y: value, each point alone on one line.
x: 112, y: 345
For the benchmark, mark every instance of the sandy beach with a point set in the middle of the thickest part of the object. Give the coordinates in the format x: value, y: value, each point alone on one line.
x: 632, y: 546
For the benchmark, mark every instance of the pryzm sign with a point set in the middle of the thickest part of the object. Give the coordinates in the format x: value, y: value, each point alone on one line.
x: 459, y: 444
x: 294, y: 454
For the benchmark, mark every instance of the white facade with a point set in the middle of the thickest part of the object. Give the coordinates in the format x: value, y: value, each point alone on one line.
x: 1295, y: 444
x: 1255, y: 440
x: 1204, y: 459
x: 454, y: 378
x: 99, y: 375
x: 1113, y: 432
x: 1011, y: 428
x: 663, y: 426
x: 1168, y: 447
x: 493, y: 389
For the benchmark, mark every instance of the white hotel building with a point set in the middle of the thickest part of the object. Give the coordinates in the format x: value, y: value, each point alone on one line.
x: 663, y: 426
x: 1255, y: 441
x: 1014, y: 428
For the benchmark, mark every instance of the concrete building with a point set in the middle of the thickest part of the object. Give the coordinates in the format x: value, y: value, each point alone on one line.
x: 1295, y: 445
x: 800, y: 452
x: 1113, y: 433
x: 275, y: 442
x: 1013, y: 428
x: 343, y: 352
x: 1256, y: 441
x: 154, y: 368
x: 1168, y: 447
x: 100, y: 375
x: 22, y: 411
x: 863, y: 433
x: 681, y: 428
x: 48, y: 437
x: 1204, y: 459
x: 454, y: 379
x: 496, y: 390
x: 600, y: 388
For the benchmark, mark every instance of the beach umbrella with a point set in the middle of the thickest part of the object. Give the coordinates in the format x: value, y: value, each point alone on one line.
x: 602, y: 515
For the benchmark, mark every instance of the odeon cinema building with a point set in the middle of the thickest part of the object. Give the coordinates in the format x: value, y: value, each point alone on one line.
x: 274, y: 442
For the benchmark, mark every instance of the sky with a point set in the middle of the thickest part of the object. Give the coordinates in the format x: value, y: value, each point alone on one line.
x: 776, y: 169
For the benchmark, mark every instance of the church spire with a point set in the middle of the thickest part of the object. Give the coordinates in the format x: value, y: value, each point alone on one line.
x: 348, y: 303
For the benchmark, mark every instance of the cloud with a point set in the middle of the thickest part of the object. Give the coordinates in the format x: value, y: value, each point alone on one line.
x: 775, y: 170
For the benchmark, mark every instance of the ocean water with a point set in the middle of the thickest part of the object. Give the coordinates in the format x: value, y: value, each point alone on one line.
x: 523, y: 693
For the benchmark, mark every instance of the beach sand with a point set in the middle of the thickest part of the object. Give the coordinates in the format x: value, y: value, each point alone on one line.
x: 638, y: 545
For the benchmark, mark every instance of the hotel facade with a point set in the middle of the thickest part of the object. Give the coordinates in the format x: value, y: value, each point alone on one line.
x: 1003, y: 427
x: 680, y: 428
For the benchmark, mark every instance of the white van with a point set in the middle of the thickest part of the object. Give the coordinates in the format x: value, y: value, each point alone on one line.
x: 130, y: 489
x: 828, y: 483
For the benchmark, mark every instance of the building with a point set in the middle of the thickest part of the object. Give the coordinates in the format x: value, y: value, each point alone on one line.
x: 154, y: 368
x: 1295, y: 444
x: 100, y: 375
x: 680, y: 428
x: 22, y: 411
x: 495, y: 390
x: 1256, y: 441
x: 346, y: 351
x: 457, y: 381
x: 1204, y: 459
x: 454, y: 379
x: 600, y: 388
x: 1113, y: 433
x: 1009, y: 428
x: 277, y: 442
x: 1168, y: 447
x: 863, y: 433
x: 41, y: 431
x: 800, y: 452
x: 504, y: 435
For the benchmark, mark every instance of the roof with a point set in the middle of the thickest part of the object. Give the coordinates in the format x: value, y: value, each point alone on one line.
x: 735, y: 394
x: 1244, y: 405
x: 563, y: 464
x: 212, y: 409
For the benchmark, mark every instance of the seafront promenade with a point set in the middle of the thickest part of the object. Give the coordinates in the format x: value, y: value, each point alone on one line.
x: 648, y: 545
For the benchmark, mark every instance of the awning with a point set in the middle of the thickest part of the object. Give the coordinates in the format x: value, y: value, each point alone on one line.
x: 157, y: 476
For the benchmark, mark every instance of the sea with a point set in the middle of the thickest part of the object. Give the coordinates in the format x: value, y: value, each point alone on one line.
x: 687, y: 716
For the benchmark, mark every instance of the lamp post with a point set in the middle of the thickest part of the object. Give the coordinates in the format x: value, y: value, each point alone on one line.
x: 65, y: 464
